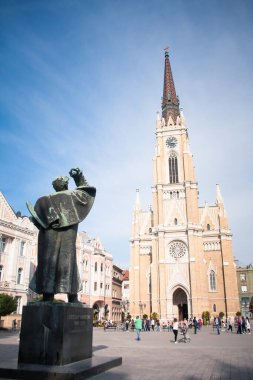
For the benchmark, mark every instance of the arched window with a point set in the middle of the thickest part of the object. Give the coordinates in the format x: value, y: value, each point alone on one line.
x: 96, y: 266
x: 212, y: 278
x: 175, y: 221
x: 101, y: 267
x: 208, y: 227
x: 214, y: 307
x: 19, y: 276
x: 22, y: 247
x: 173, y: 168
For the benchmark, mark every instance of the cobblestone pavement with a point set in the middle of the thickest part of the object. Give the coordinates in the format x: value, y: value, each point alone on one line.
x: 207, y: 356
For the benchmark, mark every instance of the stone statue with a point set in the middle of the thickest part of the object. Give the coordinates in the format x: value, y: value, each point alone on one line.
x: 57, y: 216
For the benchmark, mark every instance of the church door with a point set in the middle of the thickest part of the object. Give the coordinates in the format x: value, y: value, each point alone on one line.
x: 180, y: 300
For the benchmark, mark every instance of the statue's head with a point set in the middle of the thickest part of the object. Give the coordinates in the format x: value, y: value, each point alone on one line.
x: 60, y: 183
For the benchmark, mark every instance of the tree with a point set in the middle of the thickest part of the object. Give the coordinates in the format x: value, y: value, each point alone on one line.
x: 154, y: 316
x: 221, y: 314
x: 238, y: 313
x: 8, y: 305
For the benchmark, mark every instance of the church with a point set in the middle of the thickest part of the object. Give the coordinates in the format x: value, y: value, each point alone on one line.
x: 181, y: 260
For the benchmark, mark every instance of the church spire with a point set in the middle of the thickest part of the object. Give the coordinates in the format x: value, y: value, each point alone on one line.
x: 170, y: 102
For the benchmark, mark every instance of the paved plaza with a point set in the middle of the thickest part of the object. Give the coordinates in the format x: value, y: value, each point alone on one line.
x: 207, y: 356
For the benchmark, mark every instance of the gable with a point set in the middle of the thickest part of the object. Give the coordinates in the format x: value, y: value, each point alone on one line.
x: 6, y: 212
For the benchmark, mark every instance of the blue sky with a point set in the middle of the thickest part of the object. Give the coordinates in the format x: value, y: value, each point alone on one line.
x: 81, y: 82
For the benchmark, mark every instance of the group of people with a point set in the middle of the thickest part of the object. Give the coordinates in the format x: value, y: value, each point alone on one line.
x: 142, y: 325
x: 241, y: 323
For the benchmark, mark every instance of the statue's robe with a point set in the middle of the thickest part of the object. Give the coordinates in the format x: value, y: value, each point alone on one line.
x: 57, y: 216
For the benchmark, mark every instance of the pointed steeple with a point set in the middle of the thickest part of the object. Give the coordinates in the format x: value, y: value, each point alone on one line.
x: 137, y: 206
x: 170, y: 102
x: 219, y: 199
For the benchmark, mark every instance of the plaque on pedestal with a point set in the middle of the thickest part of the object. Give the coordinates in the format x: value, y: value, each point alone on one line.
x: 55, y: 333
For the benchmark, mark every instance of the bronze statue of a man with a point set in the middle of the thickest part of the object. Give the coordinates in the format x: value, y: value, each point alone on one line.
x: 57, y: 216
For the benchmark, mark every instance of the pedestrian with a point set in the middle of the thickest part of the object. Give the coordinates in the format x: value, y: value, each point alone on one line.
x: 138, y: 327
x: 153, y: 324
x: 248, y: 325
x: 14, y: 325
x: 230, y: 327
x: 175, y: 329
x: 217, y: 324
x: 127, y: 325
x: 195, y: 324
x: 244, y: 331
x: 158, y: 325
x: 239, y: 326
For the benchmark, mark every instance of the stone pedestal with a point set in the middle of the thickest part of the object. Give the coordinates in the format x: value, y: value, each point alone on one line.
x: 55, y: 333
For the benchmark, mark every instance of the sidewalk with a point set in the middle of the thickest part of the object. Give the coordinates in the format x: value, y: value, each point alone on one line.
x: 208, y: 356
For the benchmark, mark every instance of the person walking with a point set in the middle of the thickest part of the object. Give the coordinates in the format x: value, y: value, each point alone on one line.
x: 195, y: 324
x: 248, y: 325
x: 217, y: 324
x: 230, y: 327
x: 153, y: 324
x: 239, y: 326
x: 244, y: 331
x: 138, y: 327
x: 175, y: 329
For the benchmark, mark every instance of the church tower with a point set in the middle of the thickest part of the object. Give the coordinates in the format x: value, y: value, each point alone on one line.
x: 181, y: 254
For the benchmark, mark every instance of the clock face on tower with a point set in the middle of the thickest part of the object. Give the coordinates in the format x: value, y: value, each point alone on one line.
x: 171, y: 142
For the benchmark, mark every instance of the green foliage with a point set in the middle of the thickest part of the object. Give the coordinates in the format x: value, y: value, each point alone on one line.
x: 205, y: 317
x: 8, y: 304
x: 221, y: 314
x: 154, y: 315
x: 238, y: 313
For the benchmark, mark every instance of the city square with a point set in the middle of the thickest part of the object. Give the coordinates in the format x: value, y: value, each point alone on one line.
x: 207, y: 356
x: 125, y: 201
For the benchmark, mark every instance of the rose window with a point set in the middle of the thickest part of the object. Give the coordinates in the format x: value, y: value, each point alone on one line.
x: 177, y: 249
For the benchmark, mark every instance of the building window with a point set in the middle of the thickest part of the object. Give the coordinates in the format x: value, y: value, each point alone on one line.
x: 18, y: 303
x: 208, y: 227
x: 212, y: 279
x: 243, y: 277
x: 2, y: 244
x: 85, y: 286
x: 173, y: 168
x: 101, y: 267
x: 245, y: 301
x: 175, y: 221
x: 214, y: 308
x: 96, y: 266
x: 101, y: 285
x: 244, y: 288
x: 22, y: 248
x: 19, y: 277
x: 1, y: 273
x: 95, y: 286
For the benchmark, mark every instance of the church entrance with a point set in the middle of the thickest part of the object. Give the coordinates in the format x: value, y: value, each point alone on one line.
x: 180, y: 300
